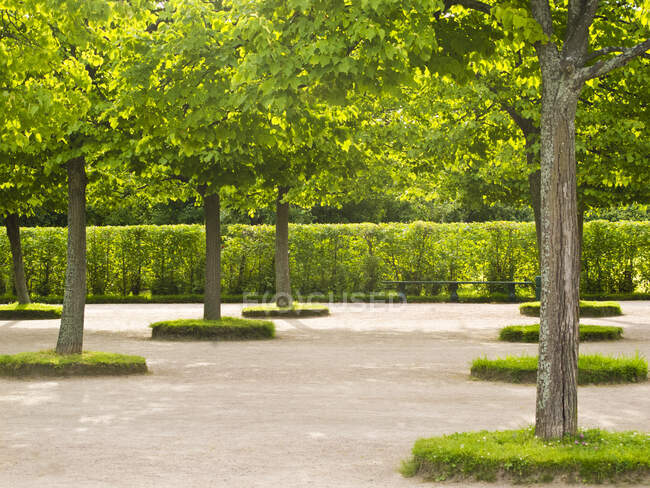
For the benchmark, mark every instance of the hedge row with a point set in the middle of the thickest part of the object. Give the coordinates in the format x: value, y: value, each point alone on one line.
x: 168, y: 260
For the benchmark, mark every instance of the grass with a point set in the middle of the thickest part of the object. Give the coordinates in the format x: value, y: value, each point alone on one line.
x: 593, y: 368
x: 226, y: 329
x: 593, y: 456
x: 530, y: 333
x: 31, y: 311
x: 296, y: 310
x: 88, y: 363
x: 587, y: 309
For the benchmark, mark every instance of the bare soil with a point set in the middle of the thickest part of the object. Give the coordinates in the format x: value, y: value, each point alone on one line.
x: 332, y: 402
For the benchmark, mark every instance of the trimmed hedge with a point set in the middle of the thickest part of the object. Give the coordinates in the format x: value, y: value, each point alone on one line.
x: 591, y: 369
x: 88, y: 363
x: 530, y: 333
x: 587, y: 309
x: 169, y: 260
x: 226, y: 329
x: 31, y: 311
x: 593, y: 456
x: 301, y: 310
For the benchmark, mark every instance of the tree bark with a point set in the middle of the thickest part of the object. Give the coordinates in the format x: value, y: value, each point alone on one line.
x: 283, y: 296
x: 557, y: 402
x: 20, y: 281
x: 534, y: 184
x: 74, y: 296
x: 212, y: 295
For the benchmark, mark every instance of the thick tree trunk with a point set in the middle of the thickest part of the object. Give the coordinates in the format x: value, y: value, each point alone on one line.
x: 557, y: 402
x: 20, y: 281
x: 283, y: 296
x: 534, y: 184
x: 212, y: 296
x: 74, y: 296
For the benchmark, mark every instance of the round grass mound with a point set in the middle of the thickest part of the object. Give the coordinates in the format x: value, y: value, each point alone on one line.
x: 593, y: 456
x: 592, y: 369
x: 295, y: 310
x: 530, y: 333
x: 587, y: 309
x: 226, y: 329
x: 30, y: 311
x: 88, y: 363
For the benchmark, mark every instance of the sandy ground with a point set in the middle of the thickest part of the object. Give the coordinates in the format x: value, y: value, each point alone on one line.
x: 332, y: 402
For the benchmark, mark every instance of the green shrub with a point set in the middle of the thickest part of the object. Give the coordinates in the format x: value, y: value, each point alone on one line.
x: 593, y: 456
x: 530, y: 333
x: 89, y: 363
x: 587, y: 309
x: 227, y: 329
x: 593, y: 368
x: 327, y: 257
x: 296, y: 310
x: 32, y: 311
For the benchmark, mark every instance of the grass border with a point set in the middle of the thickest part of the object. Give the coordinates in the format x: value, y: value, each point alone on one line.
x: 592, y: 369
x: 587, y: 309
x: 30, y: 311
x: 226, y: 329
x: 298, y: 310
x: 588, y: 333
x: 88, y: 363
x: 593, y: 456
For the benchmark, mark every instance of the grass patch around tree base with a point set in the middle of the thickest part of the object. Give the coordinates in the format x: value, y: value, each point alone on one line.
x: 296, y: 310
x: 530, y: 333
x: 30, y: 311
x: 226, y: 329
x: 587, y: 309
x: 592, y: 369
x: 88, y: 363
x: 593, y: 456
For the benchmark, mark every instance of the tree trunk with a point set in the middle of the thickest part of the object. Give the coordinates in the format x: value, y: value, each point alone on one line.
x: 283, y: 296
x: 534, y: 184
x: 212, y: 296
x: 20, y: 282
x: 557, y: 402
x: 74, y: 296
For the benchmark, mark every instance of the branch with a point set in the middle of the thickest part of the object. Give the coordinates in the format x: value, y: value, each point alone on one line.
x: 609, y: 50
x: 601, y: 68
x: 541, y: 10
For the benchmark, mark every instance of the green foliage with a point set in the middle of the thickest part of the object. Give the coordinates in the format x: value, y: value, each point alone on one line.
x: 587, y: 309
x: 591, y: 369
x: 89, y: 363
x: 592, y: 456
x: 296, y: 310
x: 335, y: 258
x: 31, y: 311
x: 228, y: 328
x: 530, y: 333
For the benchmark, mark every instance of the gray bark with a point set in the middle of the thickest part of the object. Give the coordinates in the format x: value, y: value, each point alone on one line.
x: 534, y: 184
x: 557, y: 402
x: 212, y: 296
x: 20, y: 281
x: 282, y: 272
x: 70, y: 339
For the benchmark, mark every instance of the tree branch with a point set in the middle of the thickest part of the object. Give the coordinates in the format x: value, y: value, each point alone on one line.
x: 541, y: 10
x: 609, y: 50
x: 603, y: 67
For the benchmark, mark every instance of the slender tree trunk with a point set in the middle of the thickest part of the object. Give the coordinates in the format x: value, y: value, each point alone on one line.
x: 557, y: 402
x: 20, y: 281
x: 282, y: 275
x: 74, y: 296
x: 212, y: 296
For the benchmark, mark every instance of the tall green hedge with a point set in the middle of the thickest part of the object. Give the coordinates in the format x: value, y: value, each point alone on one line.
x: 324, y: 258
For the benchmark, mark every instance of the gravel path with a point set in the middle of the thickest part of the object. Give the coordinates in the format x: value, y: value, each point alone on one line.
x: 333, y: 402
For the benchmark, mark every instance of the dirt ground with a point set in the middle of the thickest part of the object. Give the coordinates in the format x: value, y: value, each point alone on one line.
x: 332, y: 402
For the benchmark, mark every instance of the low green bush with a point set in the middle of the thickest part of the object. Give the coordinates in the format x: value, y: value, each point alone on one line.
x: 593, y: 456
x: 88, y: 363
x: 587, y: 309
x: 530, y: 333
x: 31, y: 311
x: 296, y: 310
x: 593, y: 368
x: 227, y: 329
